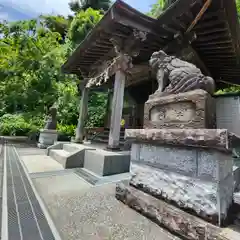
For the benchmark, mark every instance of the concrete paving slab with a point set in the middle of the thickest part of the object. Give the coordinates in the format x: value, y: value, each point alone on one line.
x: 82, y: 212
x: 26, y: 151
x: 40, y: 163
x: 63, y: 184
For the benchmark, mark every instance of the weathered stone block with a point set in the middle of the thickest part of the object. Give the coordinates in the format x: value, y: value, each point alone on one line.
x: 193, y: 168
x: 219, y: 139
x: 208, y: 199
x: 194, y: 109
x: 174, y: 159
x: 202, y: 163
x: 165, y: 214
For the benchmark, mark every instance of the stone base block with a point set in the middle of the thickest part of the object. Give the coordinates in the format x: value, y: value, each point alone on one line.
x: 164, y: 214
x: 47, y: 138
x: 106, y: 163
x: 193, y: 168
x: 210, y: 200
x: 194, y: 109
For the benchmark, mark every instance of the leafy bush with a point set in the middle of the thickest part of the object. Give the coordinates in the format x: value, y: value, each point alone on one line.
x: 68, y: 130
x: 15, y: 125
x: 65, y: 132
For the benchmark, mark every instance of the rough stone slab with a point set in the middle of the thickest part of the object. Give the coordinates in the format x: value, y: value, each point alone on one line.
x: 105, y: 163
x: 219, y: 139
x: 81, y: 212
x: 192, y: 194
x: 193, y: 109
x: 202, y: 163
x: 164, y: 214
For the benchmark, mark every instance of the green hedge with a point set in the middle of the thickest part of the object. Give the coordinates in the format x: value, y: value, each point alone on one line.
x: 17, y: 125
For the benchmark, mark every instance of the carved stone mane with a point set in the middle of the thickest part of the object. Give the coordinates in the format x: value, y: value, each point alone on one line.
x: 177, y: 76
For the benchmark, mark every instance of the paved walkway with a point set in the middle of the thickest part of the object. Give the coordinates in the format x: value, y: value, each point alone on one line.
x: 42, y: 201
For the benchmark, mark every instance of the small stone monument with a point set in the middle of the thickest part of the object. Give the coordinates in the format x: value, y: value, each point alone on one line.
x: 49, y: 134
x: 180, y: 157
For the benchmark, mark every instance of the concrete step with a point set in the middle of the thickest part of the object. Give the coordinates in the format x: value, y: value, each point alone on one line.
x: 71, y: 147
x: 72, y: 159
x: 59, y: 155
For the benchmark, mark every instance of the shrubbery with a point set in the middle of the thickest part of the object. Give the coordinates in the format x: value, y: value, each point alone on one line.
x: 15, y: 125
x: 20, y: 125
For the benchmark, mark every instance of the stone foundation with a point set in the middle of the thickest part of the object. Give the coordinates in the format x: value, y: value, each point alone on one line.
x: 191, y: 168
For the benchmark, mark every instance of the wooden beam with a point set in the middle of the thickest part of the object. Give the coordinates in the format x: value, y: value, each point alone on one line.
x: 174, y: 10
x: 200, y: 14
x: 180, y: 42
x: 224, y: 36
x: 201, y: 64
x: 213, y: 47
x: 219, y: 14
x: 214, y: 43
x: 211, y: 31
x: 210, y: 24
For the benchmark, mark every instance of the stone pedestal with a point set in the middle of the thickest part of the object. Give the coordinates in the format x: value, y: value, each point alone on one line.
x: 47, y: 138
x: 190, y: 168
x: 194, y: 109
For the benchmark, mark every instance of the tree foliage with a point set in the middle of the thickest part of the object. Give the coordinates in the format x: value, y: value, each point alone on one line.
x: 56, y: 23
x: 82, y: 23
x: 159, y: 7
x: 31, y: 55
x: 82, y: 5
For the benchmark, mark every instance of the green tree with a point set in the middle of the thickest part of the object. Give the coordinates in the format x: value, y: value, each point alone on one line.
x: 159, y: 7
x: 78, y: 5
x: 56, y: 23
x: 31, y: 55
x: 82, y: 23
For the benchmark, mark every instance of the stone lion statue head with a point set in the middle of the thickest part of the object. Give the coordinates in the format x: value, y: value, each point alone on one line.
x: 159, y: 59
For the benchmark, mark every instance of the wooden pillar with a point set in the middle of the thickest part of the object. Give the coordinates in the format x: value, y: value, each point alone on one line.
x: 117, y: 107
x: 82, y: 115
x: 108, y: 109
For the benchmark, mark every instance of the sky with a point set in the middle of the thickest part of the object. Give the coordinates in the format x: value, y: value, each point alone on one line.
x: 12, y: 9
